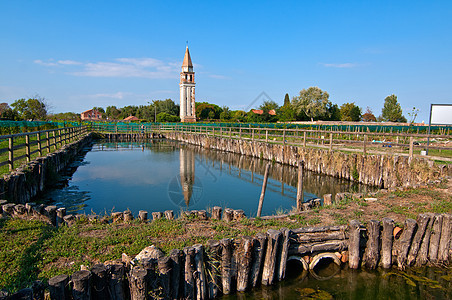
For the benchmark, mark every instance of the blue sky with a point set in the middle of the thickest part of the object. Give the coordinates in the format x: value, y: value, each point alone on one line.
x: 80, y: 54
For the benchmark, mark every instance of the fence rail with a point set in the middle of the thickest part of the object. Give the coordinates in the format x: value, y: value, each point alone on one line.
x: 23, y: 146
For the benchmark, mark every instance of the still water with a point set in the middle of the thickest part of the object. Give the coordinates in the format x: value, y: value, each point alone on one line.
x: 167, y: 175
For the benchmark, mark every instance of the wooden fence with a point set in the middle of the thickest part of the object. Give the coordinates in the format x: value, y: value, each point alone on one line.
x: 24, y: 145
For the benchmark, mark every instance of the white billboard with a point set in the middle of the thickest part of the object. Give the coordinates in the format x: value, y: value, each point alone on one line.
x: 441, y: 114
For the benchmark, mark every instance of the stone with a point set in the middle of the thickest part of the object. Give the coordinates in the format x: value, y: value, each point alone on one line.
x: 150, y: 252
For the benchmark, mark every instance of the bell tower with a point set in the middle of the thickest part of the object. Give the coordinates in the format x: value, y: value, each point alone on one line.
x: 187, y: 90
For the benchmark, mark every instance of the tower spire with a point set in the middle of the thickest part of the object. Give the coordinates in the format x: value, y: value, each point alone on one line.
x: 187, y: 90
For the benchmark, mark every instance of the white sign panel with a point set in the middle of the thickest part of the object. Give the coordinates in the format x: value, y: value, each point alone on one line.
x: 441, y: 114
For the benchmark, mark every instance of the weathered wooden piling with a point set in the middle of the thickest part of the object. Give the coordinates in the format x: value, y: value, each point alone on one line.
x: 300, y: 185
x: 273, y: 243
x: 165, y: 267
x: 81, y: 285
x: 202, y: 214
x: 117, y: 216
x: 353, y: 244
x: 157, y: 215
x: 228, y: 215
x: 177, y: 273
x: 138, y: 283
x: 422, y: 221
x: 116, y: 280
x: 283, y: 253
x: 226, y: 265
x: 386, y: 243
x: 259, y: 250
x: 264, y: 187
x: 59, y: 287
x: 216, y: 213
x: 402, y: 245
x: 100, y: 288
x: 435, y: 238
x: 422, y: 256
x: 128, y: 217
x: 169, y: 214
x: 244, y: 258
x: 327, y: 199
x: 189, y: 270
x: 51, y: 214
x: 200, y: 280
x: 444, y: 244
x: 239, y: 214
x: 143, y: 215
x: 213, y: 251
x: 372, y: 252
x: 60, y: 213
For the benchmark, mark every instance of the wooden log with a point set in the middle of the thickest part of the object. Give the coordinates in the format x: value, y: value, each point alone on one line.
x: 319, y: 229
x: 213, y: 251
x: 300, y: 186
x: 165, y: 266
x: 422, y: 222
x: 143, y: 215
x: 327, y: 199
x: 202, y: 214
x: 50, y: 212
x: 226, y: 265
x: 157, y: 215
x: 329, y: 246
x: 353, y: 244
x: 116, y: 282
x: 228, y: 215
x: 59, y: 287
x: 100, y: 288
x: 402, y: 245
x: 444, y: 243
x: 176, y: 275
x: 216, y: 213
x: 128, y: 217
x: 386, y: 243
x: 435, y: 238
x: 318, y: 237
x: 244, y: 257
x: 259, y: 250
x: 264, y: 187
x: 189, y: 280
x: 138, y: 283
x: 283, y: 254
x: 200, y: 279
x: 372, y: 252
x: 422, y: 256
x: 60, y: 213
x: 239, y: 214
x: 81, y: 285
x: 169, y: 214
x: 268, y: 273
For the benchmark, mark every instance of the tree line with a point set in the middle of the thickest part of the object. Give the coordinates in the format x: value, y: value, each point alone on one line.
x: 309, y: 105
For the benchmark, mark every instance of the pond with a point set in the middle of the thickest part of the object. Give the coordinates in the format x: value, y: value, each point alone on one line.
x: 164, y: 175
x: 337, y: 283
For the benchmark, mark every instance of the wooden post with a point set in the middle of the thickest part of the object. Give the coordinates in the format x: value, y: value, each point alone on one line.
x: 213, y: 250
x: 81, y: 285
x: 177, y: 273
x: 128, y: 217
x: 60, y: 214
x: 353, y: 244
x: 38, y: 136
x: 27, y: 147
x: 365, y: 145
x: 443, y: 251
x: 138, y: 278
x: 244, y: 257
x: 252, y: 134
x: 266, y: 136
x: 300, y: 186
x: 228, y: 214
x: 59, y: 287
x: 189, y: 270
x: 216, y: 213
x: 164, y: 266
x: 116, y: 281
x: 304, y: 139
x: 200, y: 280
x: 372, y: 252
x: 284, y: 253
x: 100, y: 289
x: 54, y: 140
x: 435, y: 238
x: 331, y: 141
x: 411, y: 146
x: 48, y: 142
x: 143, y: 215
x: 268, y: 273
x: 169, y: 214
x: 284, y: 137
x: 11, y: 153
x: 402, y: 245
x: 226, y: 265
x: 422, y: 222
x: 386, y: 243
x: 259, y: 249
x: 264, y: 187
x: 422, y: 256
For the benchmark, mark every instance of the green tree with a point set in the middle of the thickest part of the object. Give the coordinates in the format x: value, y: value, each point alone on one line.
x: 225, y: 115
x: 31, y: 109
x: 313, y: 102
x: 166, y: 117
x: 207, y: 111
x: 286, y: 100
x: 350, y: 112
x: 238, y: 116
x: 112, y: 113
x: 392, y: 112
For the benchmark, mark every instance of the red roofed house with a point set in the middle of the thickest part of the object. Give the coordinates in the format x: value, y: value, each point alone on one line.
x: 91, y: 115
x: 260, y: 112
x: 131, y: 118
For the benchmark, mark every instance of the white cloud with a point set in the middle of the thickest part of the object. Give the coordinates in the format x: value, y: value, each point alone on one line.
x: 120, y: 67
x: 341, y: 66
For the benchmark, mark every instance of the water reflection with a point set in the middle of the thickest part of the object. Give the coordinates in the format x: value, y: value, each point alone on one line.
x: 162, y: 175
